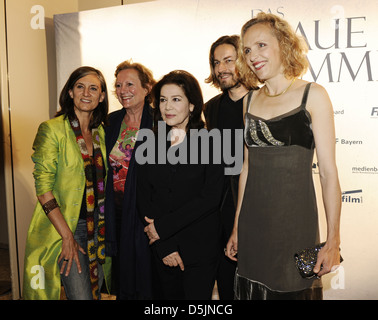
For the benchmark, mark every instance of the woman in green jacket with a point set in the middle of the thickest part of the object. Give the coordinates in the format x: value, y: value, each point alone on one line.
x: 66, y: 237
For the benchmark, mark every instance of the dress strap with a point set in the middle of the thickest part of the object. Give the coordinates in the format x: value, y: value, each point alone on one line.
x: 249, y: 100
x: 305, y: 95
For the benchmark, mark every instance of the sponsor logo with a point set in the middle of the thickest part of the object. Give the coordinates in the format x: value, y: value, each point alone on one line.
x: 352, y: 196
x: 374, y: 112
x: 348, y: 142
x: 365, y: 170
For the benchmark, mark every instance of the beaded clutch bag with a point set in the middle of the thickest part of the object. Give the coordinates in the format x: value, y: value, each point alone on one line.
x: 305, y: 260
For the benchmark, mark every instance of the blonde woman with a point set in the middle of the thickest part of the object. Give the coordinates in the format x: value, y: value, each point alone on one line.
x: 277, y: 211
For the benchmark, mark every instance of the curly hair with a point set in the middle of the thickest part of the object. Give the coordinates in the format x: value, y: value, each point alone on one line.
x: 293, y: 48
x: 145, y: 75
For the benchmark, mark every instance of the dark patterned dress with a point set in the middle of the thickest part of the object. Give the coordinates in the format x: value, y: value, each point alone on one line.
x: 279, y: 213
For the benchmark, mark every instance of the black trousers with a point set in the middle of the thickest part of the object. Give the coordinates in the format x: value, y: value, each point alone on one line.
x: 227, y: 268
x: 196, y: 282
x: 225, y: 278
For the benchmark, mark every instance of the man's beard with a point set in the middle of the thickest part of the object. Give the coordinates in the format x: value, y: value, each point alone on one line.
x: 229, y: 84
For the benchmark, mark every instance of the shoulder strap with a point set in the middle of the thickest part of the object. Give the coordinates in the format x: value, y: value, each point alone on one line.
x: 250, y: 93
x: 305, y: 95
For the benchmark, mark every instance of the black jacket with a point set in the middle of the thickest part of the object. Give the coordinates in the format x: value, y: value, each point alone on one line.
x: 131, y: 246
x: 212, y: 114
x: 184, y: 201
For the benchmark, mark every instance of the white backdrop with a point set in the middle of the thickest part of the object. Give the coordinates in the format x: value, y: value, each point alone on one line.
x: 167, y: 34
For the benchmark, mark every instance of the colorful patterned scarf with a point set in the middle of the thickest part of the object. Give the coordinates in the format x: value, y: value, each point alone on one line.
x: 95, y: 255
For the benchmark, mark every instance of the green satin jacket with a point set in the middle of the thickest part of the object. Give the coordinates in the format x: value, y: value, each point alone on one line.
x: 58, y: 167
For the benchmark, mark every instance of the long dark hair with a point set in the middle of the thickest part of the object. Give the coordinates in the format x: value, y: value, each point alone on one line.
x: 234, y: 41
x: 66, y: 103
x: 192, y: 91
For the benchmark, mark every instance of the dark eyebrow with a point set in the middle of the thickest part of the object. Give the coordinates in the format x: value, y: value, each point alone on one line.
x: 91, y: 85
x: 225, y: 58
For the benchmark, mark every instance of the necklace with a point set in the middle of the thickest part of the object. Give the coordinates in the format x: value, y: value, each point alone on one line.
x: 281, y: 93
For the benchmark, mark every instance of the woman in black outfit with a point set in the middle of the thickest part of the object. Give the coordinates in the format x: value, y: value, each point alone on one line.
x: 180, y: 201
x: 126, y: 242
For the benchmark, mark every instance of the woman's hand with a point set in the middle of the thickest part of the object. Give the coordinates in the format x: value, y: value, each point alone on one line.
x: 69, y: 254
x: 151, y: 231
x: 328, y: 260
x: 174, y: 260
x: 232, y: 246
x: 70, y: 247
